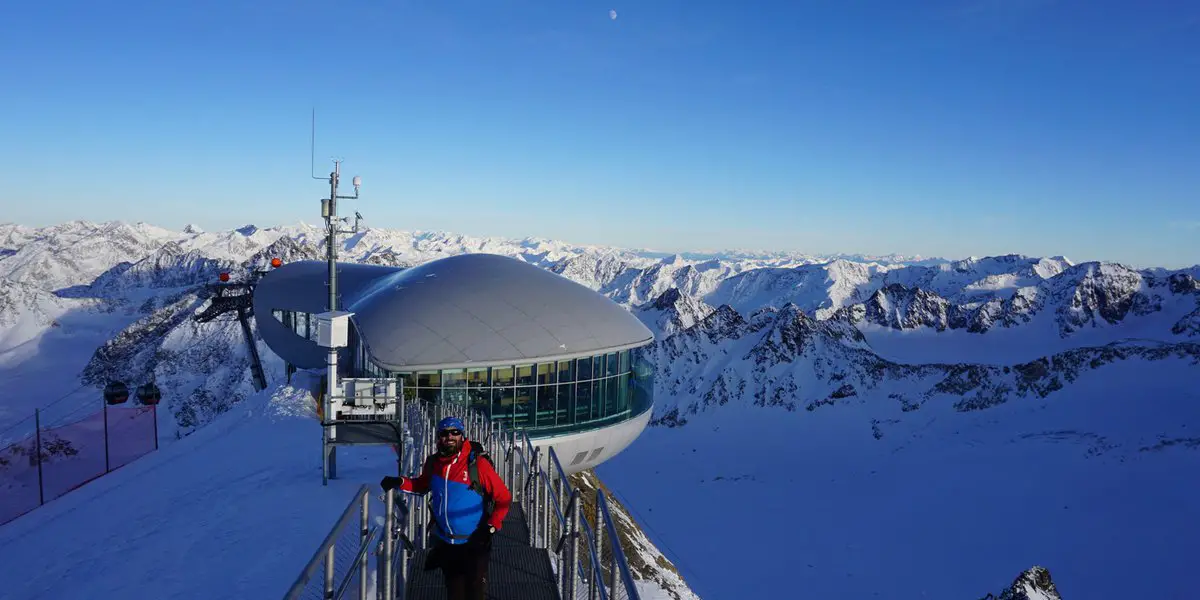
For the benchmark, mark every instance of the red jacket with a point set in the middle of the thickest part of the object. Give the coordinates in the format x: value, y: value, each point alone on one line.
x: 457, y: 509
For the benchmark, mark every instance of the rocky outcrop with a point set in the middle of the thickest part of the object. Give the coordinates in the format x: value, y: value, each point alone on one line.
x: 786, y: 358
x: 286, y: 249
x: 1079, y: 297
x: 169, y: 266
x: 1033, y: 584
x: 672, y: 312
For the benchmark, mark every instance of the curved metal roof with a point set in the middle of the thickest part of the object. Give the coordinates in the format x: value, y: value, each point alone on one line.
x: 463, y: 310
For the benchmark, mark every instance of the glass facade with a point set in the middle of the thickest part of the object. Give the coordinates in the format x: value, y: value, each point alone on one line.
x: 547, y: 398
x: 301, y: 324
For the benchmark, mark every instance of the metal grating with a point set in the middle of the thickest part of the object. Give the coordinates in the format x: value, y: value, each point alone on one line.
x: 516, y: 571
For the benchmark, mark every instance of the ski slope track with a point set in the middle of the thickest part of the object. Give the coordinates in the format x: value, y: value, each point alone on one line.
x: 826, y: 426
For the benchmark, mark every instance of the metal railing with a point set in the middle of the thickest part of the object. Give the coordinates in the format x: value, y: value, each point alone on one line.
x: 578, y: 546
x: 618, y: 565
x: 344, y: 556
x: 583, y: 545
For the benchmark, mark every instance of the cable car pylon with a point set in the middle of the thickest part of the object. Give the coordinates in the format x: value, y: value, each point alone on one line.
x: 238, y: 298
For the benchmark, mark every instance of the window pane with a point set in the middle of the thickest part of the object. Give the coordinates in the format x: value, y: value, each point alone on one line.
x: 624, y: 361
x: 546, y: 408
x: 623, y: 392
x: 523, y: 407
x: 583, y: 402
x: 524, y: 374
x: 597, y: 399
x: 611, y: 392
x: 599, y: 409
x: 428, y: 394
x: 566, y: 371
x: 477, y: 377
x: 454, y: 395
x: 454, y: 378
x: 545, y: 373
x: 502, y: 405
x: 643, y: 383
x: 598, y: 366
x: 583, y: 369
x: 612, y: 368
x: 566, y: 403
x: 480, y: 400
x: 502, y: 376
x: 408, y: 380
x: 429, y: 379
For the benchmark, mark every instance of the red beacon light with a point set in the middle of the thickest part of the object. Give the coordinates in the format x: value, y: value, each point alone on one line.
x: 223, y: 277
x: 276, y: 263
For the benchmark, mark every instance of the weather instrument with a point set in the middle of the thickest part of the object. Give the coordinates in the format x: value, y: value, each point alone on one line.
x: 333, y: 324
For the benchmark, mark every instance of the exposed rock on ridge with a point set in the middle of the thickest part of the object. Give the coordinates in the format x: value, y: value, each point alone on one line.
x: 1033, y: 584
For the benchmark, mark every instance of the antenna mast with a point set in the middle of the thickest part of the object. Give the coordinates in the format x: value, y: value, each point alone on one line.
x: 333, y: 325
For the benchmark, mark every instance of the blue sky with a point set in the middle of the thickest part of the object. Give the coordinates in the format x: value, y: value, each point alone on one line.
x: 941, y: 127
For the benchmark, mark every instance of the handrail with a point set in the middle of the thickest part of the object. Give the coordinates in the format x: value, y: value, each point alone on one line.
x: 585, y: 529
x: 360, y: 559
x: 553, y: 506
x: 324, y: 553
x: 619, y: 561
x: 562, y: 518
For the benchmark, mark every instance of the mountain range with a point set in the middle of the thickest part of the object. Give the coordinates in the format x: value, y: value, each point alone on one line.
x: 884, y: 355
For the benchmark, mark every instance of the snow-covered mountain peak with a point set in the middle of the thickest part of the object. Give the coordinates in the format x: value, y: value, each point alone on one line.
x: 900, y: 307
x: 814, y: 287
x: 725, y: 323
x: 793, y: 334
x: 843, y: 357
x: 1183, y: 283
x: 1098, y: 294
x: 1034, y: 584
x: 673, y: 311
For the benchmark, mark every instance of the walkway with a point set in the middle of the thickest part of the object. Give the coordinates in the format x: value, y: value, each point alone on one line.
x: 517, y: 571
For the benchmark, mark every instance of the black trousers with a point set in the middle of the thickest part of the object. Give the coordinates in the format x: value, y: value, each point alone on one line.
x: 464, y: 566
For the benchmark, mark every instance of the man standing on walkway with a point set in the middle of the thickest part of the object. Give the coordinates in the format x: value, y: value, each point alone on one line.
x: 469, y: 503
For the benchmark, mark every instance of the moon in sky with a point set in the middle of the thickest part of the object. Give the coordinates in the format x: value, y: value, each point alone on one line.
x: 612, y: 14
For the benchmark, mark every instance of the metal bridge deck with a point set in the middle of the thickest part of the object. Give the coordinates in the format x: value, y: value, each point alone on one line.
x: 516, y: 570
x: 362, y: 433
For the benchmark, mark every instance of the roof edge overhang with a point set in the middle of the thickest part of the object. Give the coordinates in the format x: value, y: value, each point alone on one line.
x: 505, y: 362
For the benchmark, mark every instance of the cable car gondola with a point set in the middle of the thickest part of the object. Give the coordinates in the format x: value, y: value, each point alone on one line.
x: 116, y: 392
x: 149, y: 394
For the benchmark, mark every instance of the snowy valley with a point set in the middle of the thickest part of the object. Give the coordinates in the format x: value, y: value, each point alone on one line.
x: 824, y: 426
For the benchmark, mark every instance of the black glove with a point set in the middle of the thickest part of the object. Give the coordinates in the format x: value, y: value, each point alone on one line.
x: 390, y: 483
x: 481, y: 537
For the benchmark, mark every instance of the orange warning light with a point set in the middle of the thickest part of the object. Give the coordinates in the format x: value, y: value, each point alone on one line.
x: 275, y: 262
x: 223, y: 276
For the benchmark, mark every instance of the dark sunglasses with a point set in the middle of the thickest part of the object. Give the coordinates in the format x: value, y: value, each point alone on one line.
x: 449, y: 433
